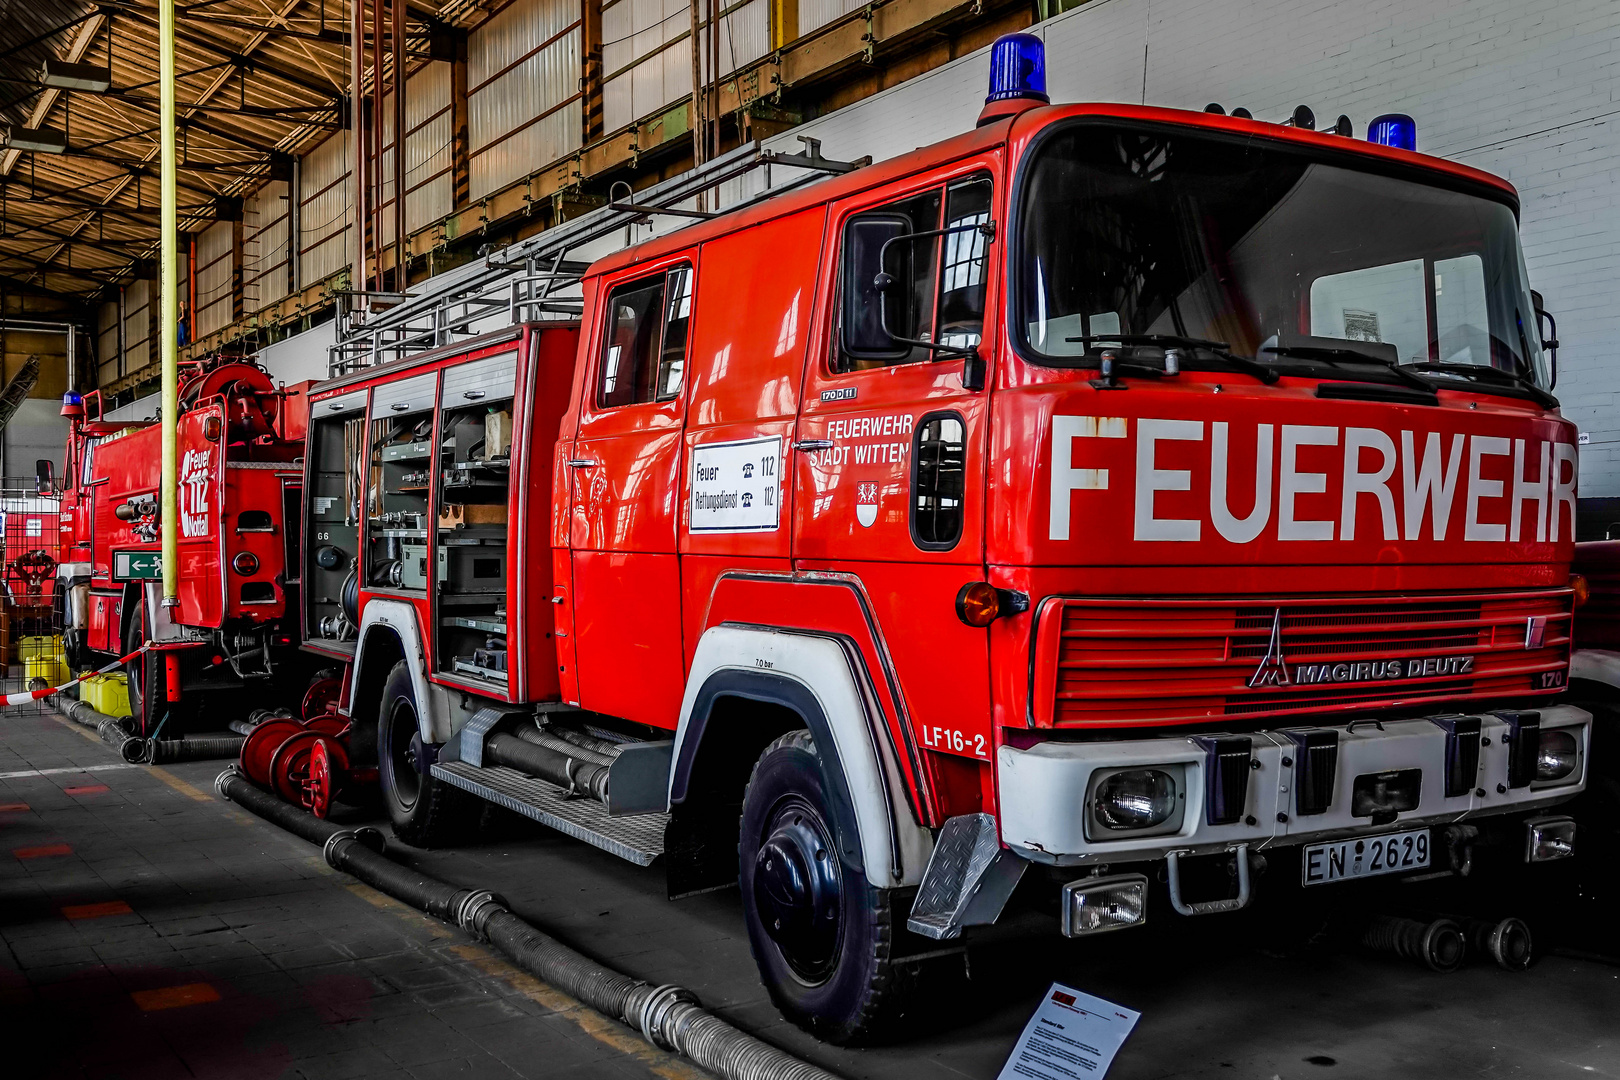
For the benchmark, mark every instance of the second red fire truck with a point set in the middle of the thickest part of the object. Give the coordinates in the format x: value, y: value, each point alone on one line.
x: 239, y: 440
x: 1115, y: 499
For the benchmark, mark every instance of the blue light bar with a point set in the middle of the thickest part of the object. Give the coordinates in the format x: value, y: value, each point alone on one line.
x: 70, y: 398
x: 1017, y: 68
x: 1393, y: 129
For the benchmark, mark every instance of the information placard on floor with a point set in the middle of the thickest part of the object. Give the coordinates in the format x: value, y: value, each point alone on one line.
x: 1071, y: 1034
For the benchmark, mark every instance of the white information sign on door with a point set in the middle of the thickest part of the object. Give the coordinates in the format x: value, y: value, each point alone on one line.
x: 1071, y: 1034
x: 737, y: 486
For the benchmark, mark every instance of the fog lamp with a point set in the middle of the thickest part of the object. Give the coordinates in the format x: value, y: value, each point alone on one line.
x: 1558, y: 755
x: 1135, y: 799
x: 245, y: 563
x: 1549, y: 838
x: 1098, y: 905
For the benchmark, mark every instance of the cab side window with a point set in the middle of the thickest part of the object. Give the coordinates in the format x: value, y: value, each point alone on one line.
x: 644, y: 354
x: 913, y: 273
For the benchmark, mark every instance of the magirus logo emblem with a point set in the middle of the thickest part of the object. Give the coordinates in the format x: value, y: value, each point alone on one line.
x: 1273, y: 669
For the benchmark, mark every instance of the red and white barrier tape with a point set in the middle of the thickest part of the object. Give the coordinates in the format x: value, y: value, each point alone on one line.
x: 34, y: 695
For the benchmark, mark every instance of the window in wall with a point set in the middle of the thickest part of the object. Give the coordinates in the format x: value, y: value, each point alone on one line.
x: 644, y: 357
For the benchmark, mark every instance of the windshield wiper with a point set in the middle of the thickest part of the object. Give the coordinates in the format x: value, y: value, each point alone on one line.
x: 1216, y: 349
x: 1482, y: 373
x: 1336, y: 357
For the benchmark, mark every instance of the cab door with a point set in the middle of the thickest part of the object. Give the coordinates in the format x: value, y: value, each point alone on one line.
x: 625, y: 469
x: 890, y: 461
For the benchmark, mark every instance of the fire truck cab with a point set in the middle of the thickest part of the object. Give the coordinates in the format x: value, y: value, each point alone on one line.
x: 1103, y: 490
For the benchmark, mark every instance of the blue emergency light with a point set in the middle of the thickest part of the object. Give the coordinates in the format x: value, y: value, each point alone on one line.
x: 70, y: 398
x: 1393, y: 129
x: 1017, y: 68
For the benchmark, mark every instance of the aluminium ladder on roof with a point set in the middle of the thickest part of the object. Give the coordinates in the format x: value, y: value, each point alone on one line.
x: 523, y: 280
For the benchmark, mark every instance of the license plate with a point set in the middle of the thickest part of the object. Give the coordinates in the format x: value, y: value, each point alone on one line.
x: 1370, y: 856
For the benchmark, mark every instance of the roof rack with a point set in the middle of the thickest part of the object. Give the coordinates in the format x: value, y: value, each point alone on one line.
x: 523, y: 280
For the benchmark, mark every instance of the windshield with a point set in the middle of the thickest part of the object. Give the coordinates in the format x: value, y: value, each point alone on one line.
x: 1156, y: 231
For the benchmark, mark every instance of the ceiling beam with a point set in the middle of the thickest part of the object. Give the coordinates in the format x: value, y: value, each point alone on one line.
x: 221, y: 48
x: 47, y: 99
x: 17, y: 228
x: 19, y: 285
x: 45, y: 267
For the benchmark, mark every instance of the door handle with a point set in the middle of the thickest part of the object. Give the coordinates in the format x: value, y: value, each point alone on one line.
x: 581, y: 463
x: 810, y: 445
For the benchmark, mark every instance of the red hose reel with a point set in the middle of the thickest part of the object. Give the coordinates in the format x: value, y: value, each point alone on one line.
x: 305, y: 762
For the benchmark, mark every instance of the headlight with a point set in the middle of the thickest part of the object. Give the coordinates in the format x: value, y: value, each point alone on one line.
x: 1135, y: 799
x: 1557, y: 757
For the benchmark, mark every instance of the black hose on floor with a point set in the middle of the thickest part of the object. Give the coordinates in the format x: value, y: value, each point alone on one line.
x: 667, y: 1016
x: 193, y: 748
x: 110, y: 729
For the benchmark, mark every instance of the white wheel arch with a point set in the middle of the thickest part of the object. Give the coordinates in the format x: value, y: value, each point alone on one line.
x: 823, y: 666
x: 399, y: 617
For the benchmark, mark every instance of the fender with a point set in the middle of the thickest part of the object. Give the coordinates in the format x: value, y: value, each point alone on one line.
x: 817, y: 677
x: 399, y: 618
x: 1596, y: 665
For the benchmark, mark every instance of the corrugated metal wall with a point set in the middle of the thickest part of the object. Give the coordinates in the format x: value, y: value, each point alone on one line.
x: 647, y: 52
x: 325, y: 199
x: 814, y: 14
x: 523, y: 96
x: 107, y: 343
x: 264, y: 246
x: 214, y: 278
x: 429, y: 129
x: 138, y: 344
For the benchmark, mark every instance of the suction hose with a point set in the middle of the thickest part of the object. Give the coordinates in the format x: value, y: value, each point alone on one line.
x: 1506, y: 942
x: 667, y: 1016
x: 569, y: 769
x: 1438, y: 945
x: 194, y: 748
x: 110, y: 729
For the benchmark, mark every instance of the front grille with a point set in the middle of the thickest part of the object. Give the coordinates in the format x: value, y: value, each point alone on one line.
x: 1130, y: 662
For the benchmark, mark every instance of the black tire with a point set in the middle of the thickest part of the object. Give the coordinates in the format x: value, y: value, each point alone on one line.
x: 145, y: 679
x: 425, y: 812
x: 821, y: 934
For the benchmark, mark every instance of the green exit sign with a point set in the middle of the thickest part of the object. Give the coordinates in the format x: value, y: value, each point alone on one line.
x: 137, y: 565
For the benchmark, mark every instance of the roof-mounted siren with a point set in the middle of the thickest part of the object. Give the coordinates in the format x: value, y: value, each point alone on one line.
x: 1220, y: 110
x: 1393, y: 129
x: 1017, y: 77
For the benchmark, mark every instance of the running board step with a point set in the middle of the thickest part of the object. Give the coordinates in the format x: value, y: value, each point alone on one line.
x: 637, y: 838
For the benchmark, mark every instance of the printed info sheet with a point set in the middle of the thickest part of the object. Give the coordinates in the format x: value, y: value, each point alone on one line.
x: 1071, y: 1034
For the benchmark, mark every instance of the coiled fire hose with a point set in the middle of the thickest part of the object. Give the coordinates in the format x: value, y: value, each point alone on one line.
x: 667, y: 1016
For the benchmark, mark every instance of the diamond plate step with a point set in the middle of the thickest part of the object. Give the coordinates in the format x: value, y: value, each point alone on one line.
x: 637, y: 838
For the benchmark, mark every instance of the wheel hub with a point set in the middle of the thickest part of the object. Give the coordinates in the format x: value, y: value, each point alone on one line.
x: 798, y: 890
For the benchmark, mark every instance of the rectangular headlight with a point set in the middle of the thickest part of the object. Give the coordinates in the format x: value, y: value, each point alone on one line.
x: 1098, y: 905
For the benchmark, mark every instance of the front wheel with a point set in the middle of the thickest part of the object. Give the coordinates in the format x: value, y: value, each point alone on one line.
x: 425, y: 811
x: 821, y: 934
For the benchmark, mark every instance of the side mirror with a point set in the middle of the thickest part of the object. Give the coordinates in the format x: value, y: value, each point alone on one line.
x: 44, y: 476
x: 1549, y: 336
x: 869, y: 293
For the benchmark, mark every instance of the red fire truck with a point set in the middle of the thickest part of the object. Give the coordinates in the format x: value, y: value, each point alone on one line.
x: 240, y: 438
x: 1115, y: 499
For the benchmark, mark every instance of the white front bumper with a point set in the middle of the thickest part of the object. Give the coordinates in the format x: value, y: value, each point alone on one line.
x: 1043, y: 789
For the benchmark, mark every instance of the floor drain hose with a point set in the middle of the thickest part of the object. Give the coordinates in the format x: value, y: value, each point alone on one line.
x: 667, y: 1016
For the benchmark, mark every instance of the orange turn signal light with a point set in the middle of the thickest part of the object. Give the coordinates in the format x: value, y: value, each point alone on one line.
x: 978, y: 603
x: 1583, y: 590
x: 213, y: 427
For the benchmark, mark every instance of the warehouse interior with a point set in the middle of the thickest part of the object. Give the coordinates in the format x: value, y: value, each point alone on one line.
x: 369, y: 191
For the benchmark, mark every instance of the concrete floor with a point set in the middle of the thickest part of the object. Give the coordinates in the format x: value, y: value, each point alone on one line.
x: 152, y: 930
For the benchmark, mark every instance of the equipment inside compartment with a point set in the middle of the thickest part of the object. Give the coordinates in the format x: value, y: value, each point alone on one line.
x: 470, y: 572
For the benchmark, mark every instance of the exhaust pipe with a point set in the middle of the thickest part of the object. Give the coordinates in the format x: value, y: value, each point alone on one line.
x: 1438, y: 945
x: 667, y: 1016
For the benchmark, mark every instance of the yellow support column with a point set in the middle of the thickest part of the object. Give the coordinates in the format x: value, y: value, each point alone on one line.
x: 168, y: 305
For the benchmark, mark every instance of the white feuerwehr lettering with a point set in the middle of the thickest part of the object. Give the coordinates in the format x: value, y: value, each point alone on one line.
x: 1358, y: 483
x: 1534, y: 491
x: 1434, y: 484
x: 1292, y: 482
x: 1151, y: 479
x: 1428, y: 483
x: 1239, y: 530
x: 1067, y: 479
x: 1481, y: 447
